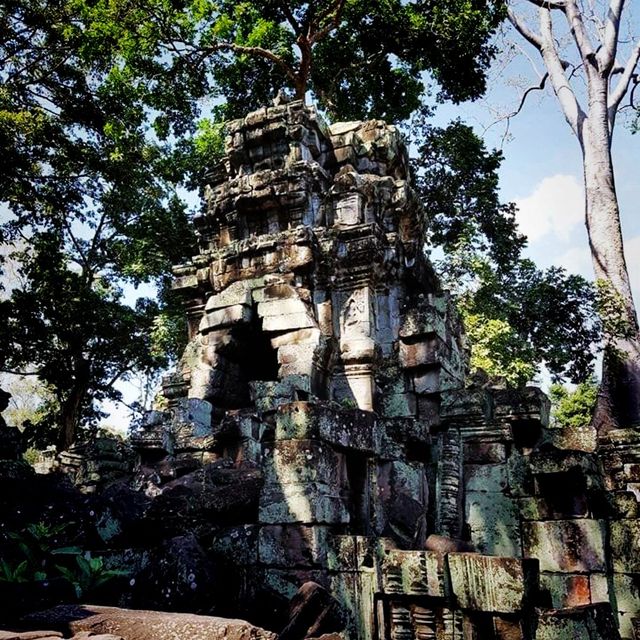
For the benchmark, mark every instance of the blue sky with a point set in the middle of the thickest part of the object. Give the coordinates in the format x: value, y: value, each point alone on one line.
x: 542, y: 171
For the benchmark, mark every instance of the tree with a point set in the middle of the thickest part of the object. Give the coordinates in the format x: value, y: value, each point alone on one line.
x: 92, y: 202
x: 594, y: 31
x: 358, y: 58
x: 517, y: 317
x: 573, y: 409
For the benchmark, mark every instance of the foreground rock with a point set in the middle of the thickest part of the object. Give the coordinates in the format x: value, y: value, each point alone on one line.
x: 146, y: 625
x: 53, y: 635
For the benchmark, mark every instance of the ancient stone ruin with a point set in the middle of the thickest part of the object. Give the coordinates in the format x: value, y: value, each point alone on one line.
x: 321, y: 427
x: 324, y: 353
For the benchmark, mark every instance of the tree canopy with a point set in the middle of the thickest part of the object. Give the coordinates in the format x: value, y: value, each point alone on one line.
x: 517, y: 316
x: 357, y: 58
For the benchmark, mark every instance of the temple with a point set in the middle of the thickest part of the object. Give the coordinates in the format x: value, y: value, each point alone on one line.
x: 324, y: 403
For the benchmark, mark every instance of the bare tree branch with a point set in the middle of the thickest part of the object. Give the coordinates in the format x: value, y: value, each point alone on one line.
x: 607, y: 55
x: 523, y: 29
x: 549, y: 4
x: 580, y: 35
x: 256, y: 51
x: 20, y: 373
x: 616, y: 96
x: 571, y: 109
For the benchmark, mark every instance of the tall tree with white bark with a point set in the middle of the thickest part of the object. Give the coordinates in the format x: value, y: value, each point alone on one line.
x: 581, y: 44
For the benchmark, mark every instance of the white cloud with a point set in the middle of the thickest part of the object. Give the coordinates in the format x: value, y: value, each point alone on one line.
x: 576, y: 260
x: 556, y: 207
x: 632, y: 254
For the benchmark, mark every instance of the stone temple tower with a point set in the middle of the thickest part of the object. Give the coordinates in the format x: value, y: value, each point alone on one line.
x: 325, y: 360
x: 310, y: 260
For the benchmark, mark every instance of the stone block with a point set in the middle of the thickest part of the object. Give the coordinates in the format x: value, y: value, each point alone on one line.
x: 352, y: 554
x: 414, y: 573
x: 493, y: 520
x: 485, y: 477
x: 282, y: 307
x: 625, y: 625
x: 485, y: 452
x: 593, y: 622
x: 292, y: 545
x: 298, y: 461
x: 349, y: 428
x: 599, y: 587
x: 427, y: 381
x: 566, y: 590
x: 425, y: 352
x: 307, y: 503
x: 297, y: 354
x: 298, y: 337
x: 239, y: 544
x: 193, y: 411
x: 556, y: 461
x: 533, y: 509
x: 288, y: 321
x: 227, y: 317
x: 348, y: 207
x: 566, y: 546
x: 488, y: 583
x: 238, y: 293
x: 397, y: 405
x: 425, y: 321
x: 627, y: 592
x: 624, y: 543
x: 406, y: 430
x: 575, y: 438
x: 519, y: 475
x: 268, y: 395
x: 529, y: 403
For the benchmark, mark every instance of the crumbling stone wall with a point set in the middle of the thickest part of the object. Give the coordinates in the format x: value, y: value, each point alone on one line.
x: 321, y: 407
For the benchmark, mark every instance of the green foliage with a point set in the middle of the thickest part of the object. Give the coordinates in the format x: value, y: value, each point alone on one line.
x: 498, y: 350
x: 38, y: 544
x: 87, y: 169
x: 43, y: 560
x: 19, y: 573
x: 89, y: 574
x: 457, y: 179
x: 357, y: 58
x: 615, y: 317
x: 575, y: 408
x: 517, y: 316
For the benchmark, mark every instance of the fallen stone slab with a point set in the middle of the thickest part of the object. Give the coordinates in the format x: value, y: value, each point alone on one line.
x: 85, y: 635
x: 54, y: 635
x: 133, y: 624
x: 29, y: 635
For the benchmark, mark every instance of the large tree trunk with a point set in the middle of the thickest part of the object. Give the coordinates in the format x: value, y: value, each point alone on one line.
x: 619, y: 398
x: 71, y: 410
